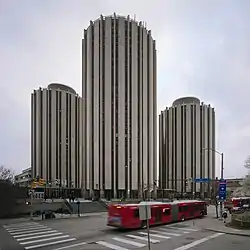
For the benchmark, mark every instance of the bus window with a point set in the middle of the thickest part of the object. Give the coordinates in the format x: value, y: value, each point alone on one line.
x: 136, y: 213
x: 166, y: 211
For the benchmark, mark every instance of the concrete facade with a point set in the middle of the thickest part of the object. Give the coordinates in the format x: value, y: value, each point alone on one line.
x: 119, y: 85
x: 186, y: 132
x: 23, y: 179
x: 56, y: 135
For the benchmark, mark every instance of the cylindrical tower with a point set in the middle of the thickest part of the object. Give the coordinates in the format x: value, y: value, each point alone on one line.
x: 119, y: 85
x: 56, y: 135
x: 187, y: 144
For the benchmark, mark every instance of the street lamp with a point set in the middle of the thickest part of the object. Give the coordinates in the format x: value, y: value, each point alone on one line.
x: 221, y: 171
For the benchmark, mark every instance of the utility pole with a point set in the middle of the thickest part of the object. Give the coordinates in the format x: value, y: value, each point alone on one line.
x: 222, y: 176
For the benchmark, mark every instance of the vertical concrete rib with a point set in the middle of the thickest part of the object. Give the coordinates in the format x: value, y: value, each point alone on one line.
x: 96, y: 104
x: 121, y: 104
x: 108, y: 105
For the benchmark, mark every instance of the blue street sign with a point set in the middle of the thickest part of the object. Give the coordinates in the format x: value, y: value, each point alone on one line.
x: 222, y: 190
x: 201, y: 180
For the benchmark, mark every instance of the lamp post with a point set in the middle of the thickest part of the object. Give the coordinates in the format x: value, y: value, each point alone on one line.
x: 221, y: 172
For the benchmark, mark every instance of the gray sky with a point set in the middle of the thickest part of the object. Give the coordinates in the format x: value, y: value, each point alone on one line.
x: 203, y: 50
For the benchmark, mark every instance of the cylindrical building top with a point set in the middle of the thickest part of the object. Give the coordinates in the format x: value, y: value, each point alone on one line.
x: 61, y: 87
x: 186, y: 100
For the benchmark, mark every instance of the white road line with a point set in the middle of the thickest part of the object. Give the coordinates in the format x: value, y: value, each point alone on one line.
x: 50, y: 243
x: 35, y: 241
x: 106, y: 244
x: 142, y: 238
x: 155, y: 235
x: 173, y: 228
x: 30, y: 234
x: 39, y: 236
x: 198, y: 242
x: 167, y: 233
x: 19, y: 224
x: 74, y: 245
x: 129, y: 242
x: 25, y: 229
x: 30, y: 231
x: 185, y: 229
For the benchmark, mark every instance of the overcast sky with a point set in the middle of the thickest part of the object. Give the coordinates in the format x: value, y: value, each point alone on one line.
x: 203, y: 50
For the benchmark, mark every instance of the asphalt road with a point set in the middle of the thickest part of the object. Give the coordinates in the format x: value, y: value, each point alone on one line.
x: 92, y: 234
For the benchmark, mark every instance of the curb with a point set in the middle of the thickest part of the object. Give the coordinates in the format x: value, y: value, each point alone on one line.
x: 227, y: 232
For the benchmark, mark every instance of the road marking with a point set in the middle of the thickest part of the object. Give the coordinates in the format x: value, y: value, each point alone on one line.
x: 30, y: 234
x: 155, y: 235
x: 106, y: 244
x: 186, y: 229
x: 35, y: 241
x: 74, y: 245
x: 50, y: 243
x: 129, y: 242
x: 198, y: 242
x: 20, y: 224
x: 142, y: 238
x: 174, y: 228
x: 25, y: 229
x: 35, y: 230
x: 39, y: 236
x: 167, y: 233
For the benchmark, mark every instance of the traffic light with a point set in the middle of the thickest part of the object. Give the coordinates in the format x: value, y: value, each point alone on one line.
x: 186, y: 182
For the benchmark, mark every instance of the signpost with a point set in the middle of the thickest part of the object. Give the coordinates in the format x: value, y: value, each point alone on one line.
x: 222, y: 194
x: 145, y: 214
x: 222, y: 190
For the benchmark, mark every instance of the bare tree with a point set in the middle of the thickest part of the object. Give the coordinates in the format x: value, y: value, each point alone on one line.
x: 247, y: 163
x: 6, y: 174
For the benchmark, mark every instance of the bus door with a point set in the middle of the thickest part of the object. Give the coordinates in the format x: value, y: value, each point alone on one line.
x: 158, y: 214
x: 175, y: 212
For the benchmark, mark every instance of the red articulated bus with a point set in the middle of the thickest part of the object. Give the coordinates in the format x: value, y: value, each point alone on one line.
x: 126, y: 216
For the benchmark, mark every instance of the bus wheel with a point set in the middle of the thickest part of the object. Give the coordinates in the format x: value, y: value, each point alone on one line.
x: 182, y: 218
x: 143, y: 224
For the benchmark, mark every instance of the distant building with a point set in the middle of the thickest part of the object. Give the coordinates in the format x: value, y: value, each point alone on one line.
x: 24, y: 179
x: 186, y: 144
x: 119, y: 85
x: 56, y: 135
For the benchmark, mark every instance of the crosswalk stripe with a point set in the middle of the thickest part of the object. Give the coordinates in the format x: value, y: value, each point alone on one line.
x: 174, y: 228
x: 115, y: 247
x: 49, y: 243
x: 19, y: 224
x: 163, y: 232
x: 25, y: 229
x: 30, y: 231
x: 30, y: 234
x: 41, y: 240
x: 142, y: 238
x: 155, y: 235
x: 188, y: 229
x: 39, y: 236
x: 70, y: 246
x: 129, y: 242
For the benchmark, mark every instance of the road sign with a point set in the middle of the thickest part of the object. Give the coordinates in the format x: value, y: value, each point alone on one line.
x: 201, y: 180
x: 144, y: 212
x: 222, y: 190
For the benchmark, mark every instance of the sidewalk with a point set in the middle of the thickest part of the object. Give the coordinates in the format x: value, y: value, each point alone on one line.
x: 211, y: 223
x: 58, y: 216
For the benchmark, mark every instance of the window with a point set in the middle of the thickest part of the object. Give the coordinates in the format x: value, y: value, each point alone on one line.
x: 136, y: 213
x: 183, y: 209
x: 166, y: 211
